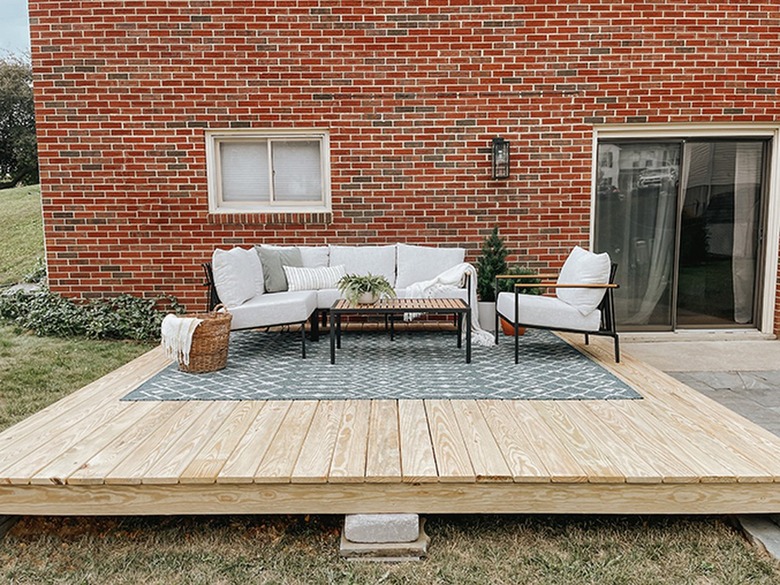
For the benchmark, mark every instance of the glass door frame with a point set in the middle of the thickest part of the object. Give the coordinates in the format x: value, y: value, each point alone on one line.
x: 769, y: 222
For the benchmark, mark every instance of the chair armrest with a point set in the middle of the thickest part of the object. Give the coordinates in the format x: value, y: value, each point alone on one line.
x: 568, y: 285
x: 519, y: 276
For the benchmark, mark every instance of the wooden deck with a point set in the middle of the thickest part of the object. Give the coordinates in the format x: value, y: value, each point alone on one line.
x: 673, y: 452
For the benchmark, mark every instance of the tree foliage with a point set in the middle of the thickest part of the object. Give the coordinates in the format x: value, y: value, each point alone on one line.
x: 18, y: 144
x: 491, y: 262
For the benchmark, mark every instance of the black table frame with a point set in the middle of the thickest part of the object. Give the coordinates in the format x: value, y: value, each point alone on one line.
x: 393, y: 307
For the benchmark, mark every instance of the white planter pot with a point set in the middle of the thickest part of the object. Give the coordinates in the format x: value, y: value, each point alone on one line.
x: 368, y: 298
x: 487, y: 315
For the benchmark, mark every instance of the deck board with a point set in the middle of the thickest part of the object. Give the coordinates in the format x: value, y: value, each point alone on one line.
x: 242, y: 463
x: 317, y: 451
x: 452, y: 457
x: 142, y: 456
x: 208, y: 462
x: 525, y: 464
x: 485, y: 455
x: 349, y: 453
x: 59, y: 469
x: 383, y: 458
x: 96, y: 468
x: 674, y: 451
x: 282, y: 454
x: 418, y: 463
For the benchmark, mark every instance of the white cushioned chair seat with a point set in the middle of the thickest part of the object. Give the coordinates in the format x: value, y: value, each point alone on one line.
x: 549, y: 312
x: 274, y: 309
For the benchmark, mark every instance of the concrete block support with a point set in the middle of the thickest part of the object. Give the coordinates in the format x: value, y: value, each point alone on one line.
x: 381, y: 528
x: 370, y: 527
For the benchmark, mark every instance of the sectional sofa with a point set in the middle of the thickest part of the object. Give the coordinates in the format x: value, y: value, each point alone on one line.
x: 269, y: 285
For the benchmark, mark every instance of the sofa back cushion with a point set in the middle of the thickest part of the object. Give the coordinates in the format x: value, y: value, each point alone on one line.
x: 583, y: 267
x: 363, y: 260
x: 421, y: 263
x: 311, y: 256
x: 238, y: 275
x: 274, y: 260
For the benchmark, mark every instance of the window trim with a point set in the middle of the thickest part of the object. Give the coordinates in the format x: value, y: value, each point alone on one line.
x: 213, y: 170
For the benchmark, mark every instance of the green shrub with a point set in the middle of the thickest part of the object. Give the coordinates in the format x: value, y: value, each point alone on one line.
x: 38, y: 274
x: 491, y: 262
x: 121, y: 317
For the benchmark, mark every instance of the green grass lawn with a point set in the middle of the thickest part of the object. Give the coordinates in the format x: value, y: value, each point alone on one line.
x: 479, y: 550
x: 21, y: 226
x: 37, y: 371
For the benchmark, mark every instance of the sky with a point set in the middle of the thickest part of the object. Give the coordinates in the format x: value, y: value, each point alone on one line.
x: 14, y: 29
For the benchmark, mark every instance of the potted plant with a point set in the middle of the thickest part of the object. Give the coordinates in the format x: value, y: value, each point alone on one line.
x: 365, y: 289
x: 491, y: 262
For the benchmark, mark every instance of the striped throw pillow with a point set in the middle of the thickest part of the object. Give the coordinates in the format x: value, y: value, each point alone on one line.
x: 313, y: 278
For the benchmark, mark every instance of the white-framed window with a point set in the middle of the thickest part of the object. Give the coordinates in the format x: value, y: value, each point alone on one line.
x: 268, y: 171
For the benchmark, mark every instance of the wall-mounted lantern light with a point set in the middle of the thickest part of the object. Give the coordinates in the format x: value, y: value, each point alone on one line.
x: 500, y: 158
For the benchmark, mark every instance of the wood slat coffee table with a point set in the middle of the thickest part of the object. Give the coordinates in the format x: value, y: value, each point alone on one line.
x: 391, y: 307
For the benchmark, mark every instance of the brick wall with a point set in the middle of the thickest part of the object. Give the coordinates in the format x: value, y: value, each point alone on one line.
x: 412, y: 93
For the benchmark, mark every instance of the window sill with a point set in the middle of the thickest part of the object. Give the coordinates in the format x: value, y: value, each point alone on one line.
x: 271, y: 218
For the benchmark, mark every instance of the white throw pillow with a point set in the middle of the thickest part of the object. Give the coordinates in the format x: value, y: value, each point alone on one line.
x: 313, y: 278
x: 583, y: 267
x: 363, y: 260
x: 311, y: 256
x: 421, y: 263
x: 238, y: 275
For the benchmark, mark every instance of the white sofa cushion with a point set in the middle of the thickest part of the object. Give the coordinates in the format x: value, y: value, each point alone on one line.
x: 313, y: 278
x: 547, y: 312
x: 583, y: 267
x: 327, y: 296
x: 363, y: 260
x: 421, y: 263
x: 274, y: 309
x: 311, y: 256
x: 238, y: 275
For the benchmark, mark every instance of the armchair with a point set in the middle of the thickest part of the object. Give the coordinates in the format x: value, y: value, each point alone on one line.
x: 583, y: 302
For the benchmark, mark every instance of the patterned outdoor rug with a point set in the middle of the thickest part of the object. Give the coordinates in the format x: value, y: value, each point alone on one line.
x: 417, y: 365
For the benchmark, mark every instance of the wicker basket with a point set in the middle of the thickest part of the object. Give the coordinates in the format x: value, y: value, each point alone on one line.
x: 209, y: 349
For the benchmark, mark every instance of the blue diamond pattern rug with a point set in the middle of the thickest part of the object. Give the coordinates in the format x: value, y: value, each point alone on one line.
x: 416, y: 365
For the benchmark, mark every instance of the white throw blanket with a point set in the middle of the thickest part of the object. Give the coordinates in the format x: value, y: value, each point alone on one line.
x: 177, y: 337
x: 446, y: 282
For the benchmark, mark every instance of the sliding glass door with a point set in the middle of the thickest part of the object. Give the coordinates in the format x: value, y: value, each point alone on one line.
x: 682, y: 219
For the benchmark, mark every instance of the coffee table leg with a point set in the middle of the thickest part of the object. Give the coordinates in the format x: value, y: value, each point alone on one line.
x: 468, y: 336
x: 460, y: 329
x: 332, y: 338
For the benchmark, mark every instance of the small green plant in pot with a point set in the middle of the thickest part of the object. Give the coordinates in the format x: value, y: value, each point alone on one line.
x: 491, y: 262
x: 365, y: 289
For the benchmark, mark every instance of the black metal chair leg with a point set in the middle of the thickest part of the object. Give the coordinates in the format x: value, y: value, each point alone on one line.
x: 587, y: 339
x: 617, y: 350
x: 303, y: 339
x: 314, y: 326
